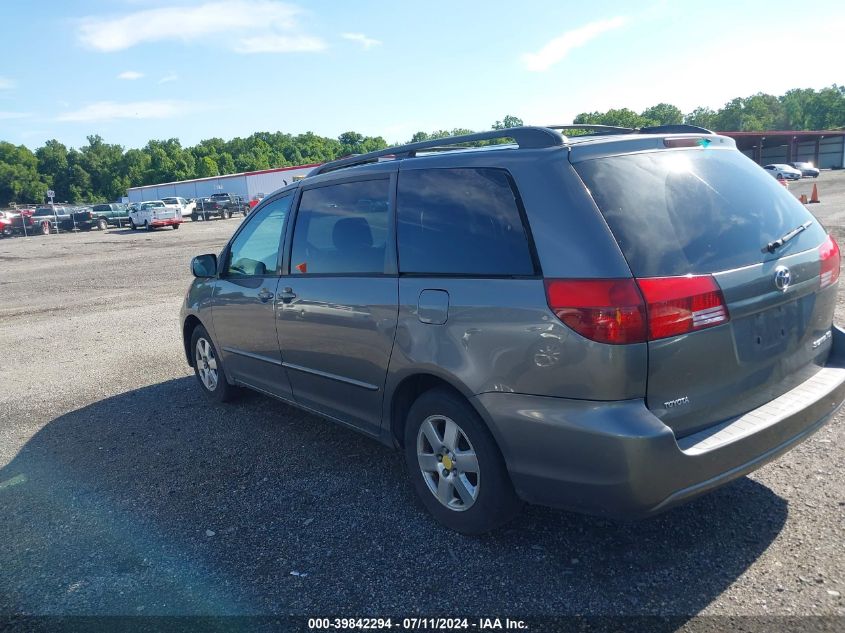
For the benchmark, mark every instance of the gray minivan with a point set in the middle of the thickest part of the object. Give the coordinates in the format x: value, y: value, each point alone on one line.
x: 612, y: 323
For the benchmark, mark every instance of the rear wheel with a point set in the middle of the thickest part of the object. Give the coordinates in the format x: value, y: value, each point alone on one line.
x: 208, y: 368
x: 175, y: 226
x: 102, y: 224
x: 45, y: 228
x: 455, y: 466
x: 148, y: 226
x: 194, y: 217
x: 227, y: 214
x: 7, y: 231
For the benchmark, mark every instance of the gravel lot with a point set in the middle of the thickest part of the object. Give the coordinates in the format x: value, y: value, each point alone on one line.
x: 122, y: 491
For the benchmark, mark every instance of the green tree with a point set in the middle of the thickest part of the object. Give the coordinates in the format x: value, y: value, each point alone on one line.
x: 663, y: 114
x: 19, y: 178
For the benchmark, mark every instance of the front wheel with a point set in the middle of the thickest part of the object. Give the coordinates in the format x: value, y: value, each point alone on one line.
x: 208, y: 368
x: 102, y: 224
x: 148, y: 226
x: 7, y: 231
x: 194, y: 217
x: 45, y: 228
x: 175, y: 226
x: 227, y: 214
x: 455, y: 466
x: 132, y: 225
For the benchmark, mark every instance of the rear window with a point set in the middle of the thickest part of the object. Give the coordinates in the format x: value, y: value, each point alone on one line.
x: 461, y: 222
x: 694, y: 211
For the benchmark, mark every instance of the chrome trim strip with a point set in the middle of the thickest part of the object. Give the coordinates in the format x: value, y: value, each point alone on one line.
x: 240, y: 352
x: 324, y: 374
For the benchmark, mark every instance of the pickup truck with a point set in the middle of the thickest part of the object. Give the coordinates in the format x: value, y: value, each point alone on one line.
x: 53, y: 218
x: 102, y: 216
x: 223, y: 205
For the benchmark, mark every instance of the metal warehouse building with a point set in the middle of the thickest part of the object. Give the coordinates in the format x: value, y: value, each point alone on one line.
x: 824, y: 148
x: 248, y: 184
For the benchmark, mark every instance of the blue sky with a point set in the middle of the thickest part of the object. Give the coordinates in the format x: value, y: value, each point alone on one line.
x: 132, y: 70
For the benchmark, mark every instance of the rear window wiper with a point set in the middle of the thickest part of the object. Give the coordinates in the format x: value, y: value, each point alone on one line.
x: 771, y: 247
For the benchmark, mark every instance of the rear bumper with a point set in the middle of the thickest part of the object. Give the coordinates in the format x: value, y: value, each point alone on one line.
x: 158, y: 223
x: 618, y: 459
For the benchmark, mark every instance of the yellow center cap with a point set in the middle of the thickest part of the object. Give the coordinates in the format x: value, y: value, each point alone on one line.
x: 447, y: 462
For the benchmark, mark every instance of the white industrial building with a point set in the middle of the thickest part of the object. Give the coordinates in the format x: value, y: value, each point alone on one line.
x: 249, y: 185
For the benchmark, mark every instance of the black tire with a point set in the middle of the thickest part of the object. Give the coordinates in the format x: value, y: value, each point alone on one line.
x: 148, y: 226
x: 132, y: 225
x: 102, y: 224
x: 194, y: 217
x: 227, y: 214
x: 223, y: 391
x: 7, y: 231
x: 175, y: 226
x: 496, y: 502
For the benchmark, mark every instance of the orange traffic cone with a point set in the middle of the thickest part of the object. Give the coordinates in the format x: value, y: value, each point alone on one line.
x: 815, y: 195
x: 803, y: 198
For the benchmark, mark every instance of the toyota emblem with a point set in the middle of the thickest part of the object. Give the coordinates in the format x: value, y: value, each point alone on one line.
x: 782, y: 278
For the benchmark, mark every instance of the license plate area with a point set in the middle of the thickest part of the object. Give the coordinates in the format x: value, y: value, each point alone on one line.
x: 769, y: 333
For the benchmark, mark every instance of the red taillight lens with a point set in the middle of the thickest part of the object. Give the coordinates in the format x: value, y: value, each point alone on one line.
x: 830, y: 259
x: 603, y: 310
x: 677, y: 305
x: 613, y: 311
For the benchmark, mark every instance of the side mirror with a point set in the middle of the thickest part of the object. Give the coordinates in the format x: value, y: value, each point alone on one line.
x: 204, y: 266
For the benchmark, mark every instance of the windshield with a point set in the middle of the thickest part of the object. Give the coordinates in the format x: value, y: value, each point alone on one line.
x: 694, y: 211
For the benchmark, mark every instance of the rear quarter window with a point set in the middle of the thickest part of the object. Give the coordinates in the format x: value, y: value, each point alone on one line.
x: 461, y: 222
x: 678, y: 212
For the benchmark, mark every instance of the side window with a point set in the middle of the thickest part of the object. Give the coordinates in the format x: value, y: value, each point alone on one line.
x: 255, y: 251
x: 460, y: 222
x: 342, y: 228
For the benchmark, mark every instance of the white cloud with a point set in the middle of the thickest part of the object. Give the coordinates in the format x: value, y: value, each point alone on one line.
x: 14, y: 115
x: 168, y: 78
x: 109, y: 110
x: 130, y: 75
x: 249, y: 26
x: 6, y: 83
x: 557, y: 49
x: 363, y: 40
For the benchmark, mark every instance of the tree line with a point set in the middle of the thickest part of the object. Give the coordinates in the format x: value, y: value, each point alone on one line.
x: 101, y: 171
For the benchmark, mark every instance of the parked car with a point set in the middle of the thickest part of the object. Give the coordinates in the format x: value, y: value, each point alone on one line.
x: 806, y: 169
x: 52, y: 218
x: 14, y: 222
x: 186, y: 207
x: 154, y: 214
x: 104, y: 215
x: 222, y: 205
x: 610, y: 324
x: 783, y: 172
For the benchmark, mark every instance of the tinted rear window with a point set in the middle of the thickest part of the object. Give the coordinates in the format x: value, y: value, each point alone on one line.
x: 461, y: 222
x: 694, y: 211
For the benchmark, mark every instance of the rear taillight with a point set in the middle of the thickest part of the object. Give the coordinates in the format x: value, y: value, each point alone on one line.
x: 603, y: 310
x: 622, y: 311
x: 677, y: 305
x: 829, y: 259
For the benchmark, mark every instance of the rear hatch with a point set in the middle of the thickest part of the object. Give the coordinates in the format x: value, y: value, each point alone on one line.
x: 735, y: 318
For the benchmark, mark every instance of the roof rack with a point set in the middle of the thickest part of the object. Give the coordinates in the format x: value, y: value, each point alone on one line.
x: 526, y: 138
x: 609, y: 129
x: 678, y: 128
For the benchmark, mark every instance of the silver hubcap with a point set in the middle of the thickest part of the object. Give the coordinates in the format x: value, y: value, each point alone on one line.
x: 206, y: 364
x: 448, y: 463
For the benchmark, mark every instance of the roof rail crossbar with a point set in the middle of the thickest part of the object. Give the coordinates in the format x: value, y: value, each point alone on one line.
x: 526, y: 137
x: 609, y: 129
x: 678, y: 128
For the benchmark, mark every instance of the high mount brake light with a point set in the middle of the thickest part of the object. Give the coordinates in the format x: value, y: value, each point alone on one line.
x: 624, y: 311
x: 829, y: 259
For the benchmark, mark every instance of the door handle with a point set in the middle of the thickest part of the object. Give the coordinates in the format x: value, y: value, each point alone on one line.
x: 287, y: 295
x: 265, y: 295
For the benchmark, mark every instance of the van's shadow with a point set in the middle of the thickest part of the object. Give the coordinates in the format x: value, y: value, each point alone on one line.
x: 155, y: 501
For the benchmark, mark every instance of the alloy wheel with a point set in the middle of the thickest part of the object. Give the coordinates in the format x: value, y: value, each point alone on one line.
x: 448, y: 463
x: 206, y: 364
